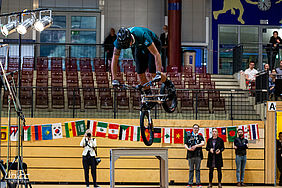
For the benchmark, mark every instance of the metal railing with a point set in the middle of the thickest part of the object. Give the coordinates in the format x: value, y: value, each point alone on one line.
x: 193, y: 104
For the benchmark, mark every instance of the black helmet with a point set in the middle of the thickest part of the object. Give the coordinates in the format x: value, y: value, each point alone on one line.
x: 124, y: 38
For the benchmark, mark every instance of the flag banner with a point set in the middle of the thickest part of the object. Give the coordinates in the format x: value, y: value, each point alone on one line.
x: 47, y: 132
x: 113, y: 131
x: 80, y: 127
x: 208, y: 133
x: 36, y: 132
x: 92, y: 125
x: 167, y: 135
x: 147, y: 134
x: 202, y: 132
x: 187, y: 132
x: 135, y: 133
x: 70, y: 129
x: 232, y: 133
x: 222, y: 133
x: 27, y: 133
x: 57, y: 130
x: 178, y: 136
x: 245, y: 130
x: 254, y: 131
x: 157, y: 135
x: 14, y: 133
x: 101, y: 129
x: 4, y: 133
x: 124, y: 132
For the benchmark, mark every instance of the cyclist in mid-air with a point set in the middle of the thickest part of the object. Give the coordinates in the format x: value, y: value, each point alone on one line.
x: 146, y: 49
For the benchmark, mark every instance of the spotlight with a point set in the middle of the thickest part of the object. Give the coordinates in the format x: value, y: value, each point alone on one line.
x: 43, y: 23
x: 24, y: 26
x: 9, y: 28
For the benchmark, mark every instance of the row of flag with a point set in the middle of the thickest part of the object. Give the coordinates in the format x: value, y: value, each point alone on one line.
x: 122, y: 132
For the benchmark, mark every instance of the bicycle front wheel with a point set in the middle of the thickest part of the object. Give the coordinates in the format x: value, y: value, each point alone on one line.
x: 146, y: 125
x: 171, y: 104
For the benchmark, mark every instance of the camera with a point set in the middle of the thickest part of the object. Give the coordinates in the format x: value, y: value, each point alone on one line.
x: 88, y: 134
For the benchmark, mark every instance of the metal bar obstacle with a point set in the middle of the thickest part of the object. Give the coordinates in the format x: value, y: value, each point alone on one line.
x: 159, y: 153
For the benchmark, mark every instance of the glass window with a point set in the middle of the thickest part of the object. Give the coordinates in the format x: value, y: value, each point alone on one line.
x: 86, y: 37
x: 83, y: 51
x: 83, y: 22
x: 59, y: 22
x: 228, y: 35
x: 248, y: 34
x: 53, y: 36
x: 52, y: 50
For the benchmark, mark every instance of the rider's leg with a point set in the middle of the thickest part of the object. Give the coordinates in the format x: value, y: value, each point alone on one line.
x: 143, y: 80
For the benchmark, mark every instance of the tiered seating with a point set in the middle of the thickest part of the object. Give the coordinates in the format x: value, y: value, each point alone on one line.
x: 42, y: 82
x: 26, y: 81
x: 89, y: 96
x: 57, y: 83
x: 72, y: 83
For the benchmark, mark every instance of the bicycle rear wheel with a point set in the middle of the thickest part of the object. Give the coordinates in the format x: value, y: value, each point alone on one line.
x: 146, y: 125
x: 171, y: 104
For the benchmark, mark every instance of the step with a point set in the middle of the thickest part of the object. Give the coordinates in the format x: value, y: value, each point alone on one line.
x: 222, y: 76
x: 227, y: 87
x: 223, y: 80
x: 227, y: 84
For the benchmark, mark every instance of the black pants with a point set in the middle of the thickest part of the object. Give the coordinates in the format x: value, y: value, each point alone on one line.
x: 164, y: 58
x: 89, y: 161
x: 279, y: 165
x: 219, y: 174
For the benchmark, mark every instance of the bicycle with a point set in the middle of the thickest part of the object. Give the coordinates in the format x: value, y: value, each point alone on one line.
x: 166, y: 97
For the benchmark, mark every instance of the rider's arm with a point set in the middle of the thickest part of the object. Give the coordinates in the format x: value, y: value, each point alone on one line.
x: 152, y: 48
x: 114, y: 63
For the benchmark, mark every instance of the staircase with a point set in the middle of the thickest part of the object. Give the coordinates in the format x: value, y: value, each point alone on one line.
x: 242, y: 103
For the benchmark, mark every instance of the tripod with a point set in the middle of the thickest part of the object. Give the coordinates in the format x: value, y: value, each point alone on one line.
x: 21, y: 177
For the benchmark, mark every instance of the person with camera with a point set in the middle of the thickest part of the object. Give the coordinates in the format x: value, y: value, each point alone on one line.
x: 194, y: 143
x: 88, y: 157
x: 215, y: 147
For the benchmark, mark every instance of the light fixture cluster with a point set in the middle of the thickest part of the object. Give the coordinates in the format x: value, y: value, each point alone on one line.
x: 23, y: 25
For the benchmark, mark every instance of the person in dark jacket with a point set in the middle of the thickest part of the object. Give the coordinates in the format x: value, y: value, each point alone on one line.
x: 164, y: 50
x: 241, y: 146
x: 109, y: 45
x: 275, y: 40
x: 279, y: 156
x: 215, y: 147
x: 194, y: 143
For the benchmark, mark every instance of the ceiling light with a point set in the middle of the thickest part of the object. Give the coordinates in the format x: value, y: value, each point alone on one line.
x: 9, y: 28
x: 24, y: 26
x: 43, y: 23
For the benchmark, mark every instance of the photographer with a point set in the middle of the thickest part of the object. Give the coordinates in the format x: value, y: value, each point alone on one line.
x: 88, y: 157
x: 194, y: 143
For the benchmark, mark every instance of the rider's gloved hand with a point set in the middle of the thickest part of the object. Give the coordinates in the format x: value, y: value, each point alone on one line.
x: 115, y: 83
x: 157, y: 77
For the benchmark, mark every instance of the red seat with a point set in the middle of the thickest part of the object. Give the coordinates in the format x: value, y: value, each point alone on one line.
x: 42, y: 63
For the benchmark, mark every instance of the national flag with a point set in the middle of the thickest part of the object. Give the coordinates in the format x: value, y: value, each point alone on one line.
x: 47, y: 132
x: 187, y: 132
x: 178, y: 136
x: 202, y: 133
x: 147, y: 134
x: 222, y: 133
x: 124, y: 132
x: 57, y: 130
x: 209, y: 133
x: 14, y: 133
x: 101, y: 129
x: 4, y: 133
x: 167, y: 135
x: 92, y: 125
x: 70, y: 129
x: 135, y: 133
x: 232, y: 133
x: 27, y: 133
x: 113, y: 131
x: 80, y: 127
x: 36, y: 132
x: 254, y: 131
x: 245, y: 130
x: 157, y: 135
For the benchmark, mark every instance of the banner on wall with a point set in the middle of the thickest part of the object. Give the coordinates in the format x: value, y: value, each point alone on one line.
x: 279, y: 123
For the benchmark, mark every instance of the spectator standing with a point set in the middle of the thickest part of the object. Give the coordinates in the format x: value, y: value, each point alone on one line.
x: 241, y: 146
x: 250, y: 74
x: 194, y: 143
x: 215, y: 147
x: 164, y: 50
x: 279, y: 156
x: 266, y: 68
x: 275, y: 40
x: 109, y: 45
x: 88, y: 157
x: 271, y: 87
